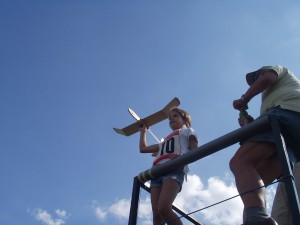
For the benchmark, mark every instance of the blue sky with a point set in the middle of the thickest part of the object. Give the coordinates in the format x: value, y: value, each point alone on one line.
x: 70, y: 69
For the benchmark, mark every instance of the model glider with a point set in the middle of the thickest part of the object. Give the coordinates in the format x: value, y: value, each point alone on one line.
x: 135, y: 116
x: 149, y: 120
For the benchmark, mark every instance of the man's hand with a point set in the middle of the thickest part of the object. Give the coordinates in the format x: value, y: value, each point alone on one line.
x: 240, y: 104
x: 245, y: 120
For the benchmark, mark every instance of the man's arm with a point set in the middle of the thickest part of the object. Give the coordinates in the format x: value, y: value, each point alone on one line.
x: 264, y: 81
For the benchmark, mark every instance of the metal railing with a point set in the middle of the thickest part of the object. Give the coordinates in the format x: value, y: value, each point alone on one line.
x: 215, y: 146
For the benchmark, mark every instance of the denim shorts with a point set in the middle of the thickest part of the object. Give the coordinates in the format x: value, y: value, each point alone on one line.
x: 289, y: 122
x: 177, y: 175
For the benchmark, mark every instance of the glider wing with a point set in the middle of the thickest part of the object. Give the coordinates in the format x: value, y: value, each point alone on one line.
x: 149, y: 120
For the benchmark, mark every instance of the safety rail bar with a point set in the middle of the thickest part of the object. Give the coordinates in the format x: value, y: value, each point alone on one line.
x: 216, y: 145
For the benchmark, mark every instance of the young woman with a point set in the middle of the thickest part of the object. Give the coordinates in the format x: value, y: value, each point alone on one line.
x: 164, y: 189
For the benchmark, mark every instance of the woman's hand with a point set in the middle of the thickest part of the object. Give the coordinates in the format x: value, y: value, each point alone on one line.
x: 142, y: 127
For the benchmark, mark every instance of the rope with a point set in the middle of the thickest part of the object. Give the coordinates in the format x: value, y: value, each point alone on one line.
x: 281, y: 179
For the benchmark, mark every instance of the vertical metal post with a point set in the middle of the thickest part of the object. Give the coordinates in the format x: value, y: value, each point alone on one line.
x: 134, y: 202
x: 286, y: 171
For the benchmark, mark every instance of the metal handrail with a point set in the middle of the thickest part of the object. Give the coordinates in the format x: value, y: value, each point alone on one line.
x: 216, y: 145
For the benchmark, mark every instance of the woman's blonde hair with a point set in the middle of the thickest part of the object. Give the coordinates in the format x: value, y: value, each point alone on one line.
x: 185, y: 115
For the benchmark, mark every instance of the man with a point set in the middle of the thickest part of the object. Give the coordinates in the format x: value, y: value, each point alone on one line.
x: 256, y: 163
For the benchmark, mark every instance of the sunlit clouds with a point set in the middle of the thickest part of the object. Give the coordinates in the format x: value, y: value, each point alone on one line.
x: 59, y: 218
x: 194, y: 197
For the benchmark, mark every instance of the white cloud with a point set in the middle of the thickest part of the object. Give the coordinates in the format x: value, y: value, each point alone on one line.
x: 121, y: 208
x: 145, y: 211
x: 61, y: 213
x: 46, y: 218
x: 195, y: 195
x: 100, y: 213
